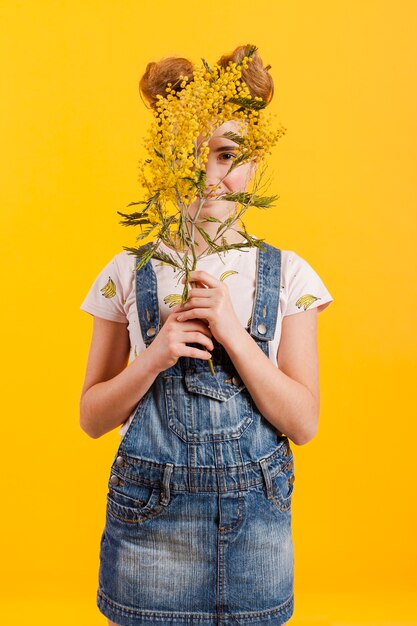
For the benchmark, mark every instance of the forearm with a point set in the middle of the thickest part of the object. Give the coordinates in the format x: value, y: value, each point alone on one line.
x: 107, y: 404
x: 283, y: 401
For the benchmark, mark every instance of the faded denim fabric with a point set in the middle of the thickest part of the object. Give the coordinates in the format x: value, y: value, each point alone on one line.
x: 198, y: 517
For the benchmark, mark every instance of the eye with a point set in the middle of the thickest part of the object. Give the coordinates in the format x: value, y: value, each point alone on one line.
x: 227, y: 154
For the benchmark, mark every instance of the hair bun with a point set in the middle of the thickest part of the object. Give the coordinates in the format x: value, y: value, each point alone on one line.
x: 170, y: 70
x: 158, y: 74
x: 256, y: 76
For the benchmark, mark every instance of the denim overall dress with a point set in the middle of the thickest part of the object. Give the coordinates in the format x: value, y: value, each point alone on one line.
x: 198, y: 513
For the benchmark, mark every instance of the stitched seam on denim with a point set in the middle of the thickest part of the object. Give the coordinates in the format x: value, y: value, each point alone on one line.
x: 174, y: 487
x: 153, y: 614
x: 281, y: 506
x: 234, y: 525
x: 130, y: 460
x: 147, y: 515
x: 142, y: 405
x: 165, y: 614
x: 220, y: 572
x: 196, y: 471
x: 146, y: 285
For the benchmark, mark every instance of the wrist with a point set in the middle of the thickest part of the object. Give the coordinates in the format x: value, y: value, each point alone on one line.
x: 235, y: 342
x: 147, y: 363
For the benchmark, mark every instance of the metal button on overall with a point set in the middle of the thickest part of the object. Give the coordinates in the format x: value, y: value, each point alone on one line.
x: 151, y: 331
x: 262, y: 328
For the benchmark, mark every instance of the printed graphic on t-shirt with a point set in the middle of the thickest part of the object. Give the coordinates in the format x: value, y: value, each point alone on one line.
x: 306, y: 301
x: 109, y: 289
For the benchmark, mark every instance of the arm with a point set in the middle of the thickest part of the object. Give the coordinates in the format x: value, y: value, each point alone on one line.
x: 289, y: 396
x: 111, y: 390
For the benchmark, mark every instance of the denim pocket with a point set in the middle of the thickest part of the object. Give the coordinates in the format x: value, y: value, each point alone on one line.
x: 203, y: 408
x: 283, y: 485
x: 142, y: 503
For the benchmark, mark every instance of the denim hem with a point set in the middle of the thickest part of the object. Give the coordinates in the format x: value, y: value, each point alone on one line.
x: 127, y: 616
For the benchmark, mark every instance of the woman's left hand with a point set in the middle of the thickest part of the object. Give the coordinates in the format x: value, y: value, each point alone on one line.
x: 210, y: 302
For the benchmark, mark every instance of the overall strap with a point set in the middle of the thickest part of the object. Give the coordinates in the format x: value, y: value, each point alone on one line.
x: 266, y: 302
x: 268, y: 282
x: 147, y: 299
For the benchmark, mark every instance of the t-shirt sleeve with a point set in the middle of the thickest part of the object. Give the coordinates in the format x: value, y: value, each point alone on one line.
x: 303, y: 287
x: 105, y: 297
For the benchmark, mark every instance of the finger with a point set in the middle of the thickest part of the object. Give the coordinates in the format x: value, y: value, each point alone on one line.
x: 195, y: 353
x: 197, y: 337
x: 202, y: 277
x: 197, y: 324
x: 195, y: 313
x: 196, y: 302
x: 195, y: 291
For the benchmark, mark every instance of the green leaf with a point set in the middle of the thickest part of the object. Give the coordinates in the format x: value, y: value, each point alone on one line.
x: 132, y: 220
x: 151, y: 201
x: 248, y: 103
x: 210, y: 218
x: 206, y: 65
x: 242, y: 158
x: 200, y: 183
x: 249, y: 53
x: 140, y: 217
x: 145, y: 233
x: 166, y: 258
x: 140, y: 202
x: 165, y: 229
x: 251, y: 240
x: 225, y: 225
x: 234, y: 137
x: 143, y: 255
x: 244, y: 197
x: 212, y: 245
x: 159, y: 154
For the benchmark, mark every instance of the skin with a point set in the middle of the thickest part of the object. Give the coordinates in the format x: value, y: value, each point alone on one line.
x: 287, y: 396
x: 218, y: 162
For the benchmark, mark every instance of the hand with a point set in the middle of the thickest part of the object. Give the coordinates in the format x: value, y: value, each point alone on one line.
x: 210, y: 302
x: 171, y: 342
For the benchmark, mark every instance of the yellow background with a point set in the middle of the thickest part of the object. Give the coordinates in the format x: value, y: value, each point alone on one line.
x: 72, y: 125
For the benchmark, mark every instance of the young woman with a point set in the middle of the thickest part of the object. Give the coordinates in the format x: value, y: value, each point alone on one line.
x: 198, y: 516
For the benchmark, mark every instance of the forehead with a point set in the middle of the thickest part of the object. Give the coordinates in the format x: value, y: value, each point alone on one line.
x: 229, y: 126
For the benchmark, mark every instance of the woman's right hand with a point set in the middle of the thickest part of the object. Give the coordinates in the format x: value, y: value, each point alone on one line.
x: 171, y: 341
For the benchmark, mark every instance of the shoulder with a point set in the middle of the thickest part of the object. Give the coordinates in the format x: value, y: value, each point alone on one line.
x: 110, y: 289
x: 301, y: 285
x: 291, y: 261
x: 124, y: 266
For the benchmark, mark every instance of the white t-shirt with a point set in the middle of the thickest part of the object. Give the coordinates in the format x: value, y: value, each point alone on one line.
x: 112, y: 295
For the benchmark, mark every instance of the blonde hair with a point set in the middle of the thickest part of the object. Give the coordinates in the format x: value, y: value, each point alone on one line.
x: 170, y: 70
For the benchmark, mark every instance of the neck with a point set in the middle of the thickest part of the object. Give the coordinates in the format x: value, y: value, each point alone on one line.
x: 201, y: 247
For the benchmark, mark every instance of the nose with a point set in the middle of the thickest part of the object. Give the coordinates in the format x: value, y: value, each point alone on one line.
x: 213, y: 177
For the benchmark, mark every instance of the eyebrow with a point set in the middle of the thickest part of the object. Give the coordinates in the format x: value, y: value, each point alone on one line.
x: 223, y: 148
